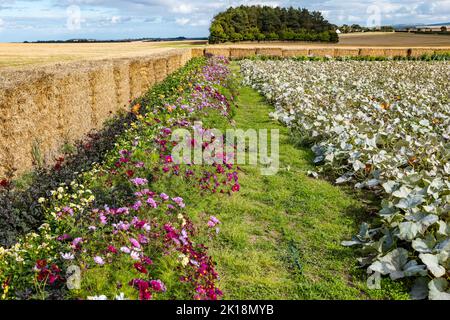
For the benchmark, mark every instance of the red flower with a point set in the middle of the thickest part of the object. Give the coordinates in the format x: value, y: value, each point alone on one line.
x: 41, y: 264
x: 4, y: 183
x: 143, y: 287
x: 112, y: 249
x: 55, y: 268
x: 140, y: 267
x: 236, y: 187
x: 130, y: 173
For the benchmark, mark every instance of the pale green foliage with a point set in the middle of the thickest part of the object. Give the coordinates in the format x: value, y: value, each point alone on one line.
x: 385, y: 127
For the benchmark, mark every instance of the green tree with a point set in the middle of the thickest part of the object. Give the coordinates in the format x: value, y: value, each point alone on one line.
x: 267, y: 23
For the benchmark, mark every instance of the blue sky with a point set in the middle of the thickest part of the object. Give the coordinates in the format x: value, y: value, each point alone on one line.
x: 114, y: 19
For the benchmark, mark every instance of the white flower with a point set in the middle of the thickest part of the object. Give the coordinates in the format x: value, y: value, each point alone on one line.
x: 67, y: 256
x: 41, y: 200
x: 121, y: 296
x: 135, y: 255
x: 184, y: 260
x: 102, y: 297
x: 125, y: 250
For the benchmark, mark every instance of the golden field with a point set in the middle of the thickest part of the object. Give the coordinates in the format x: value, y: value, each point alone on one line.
x: 21, y: 54
x: 27, y: 54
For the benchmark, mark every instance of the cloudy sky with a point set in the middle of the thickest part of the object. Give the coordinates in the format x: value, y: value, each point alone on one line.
x: 114, y: 19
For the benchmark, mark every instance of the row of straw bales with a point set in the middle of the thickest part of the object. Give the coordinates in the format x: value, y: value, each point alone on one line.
x: 239, y: 52
x: 43, y: 108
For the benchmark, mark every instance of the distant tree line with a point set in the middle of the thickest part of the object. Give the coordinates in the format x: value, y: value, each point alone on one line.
x: 118, y: 40
x: 357, y: 28
x: 263, y: 23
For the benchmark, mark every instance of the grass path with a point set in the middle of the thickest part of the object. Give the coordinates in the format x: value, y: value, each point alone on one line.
x: 280, y: 235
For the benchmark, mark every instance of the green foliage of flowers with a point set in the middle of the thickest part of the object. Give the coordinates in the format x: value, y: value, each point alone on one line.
x: 106, y: 225
x: 383, y: 126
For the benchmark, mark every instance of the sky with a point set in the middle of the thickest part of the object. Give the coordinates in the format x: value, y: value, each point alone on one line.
x: 33, y: 20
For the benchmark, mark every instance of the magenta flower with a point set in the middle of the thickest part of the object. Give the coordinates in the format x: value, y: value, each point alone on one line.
x: 135, y: 243
x: 112, y: 249
x: 158, y: 285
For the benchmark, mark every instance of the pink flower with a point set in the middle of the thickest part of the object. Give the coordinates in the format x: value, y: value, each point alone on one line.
x: 103, y: 219
x: 125, y: 250
x: 152, y: 202
x: 139, y: 181
x: 99, y: 260
x: 135, y: 243
x: 164, y: 196
x: 140, y: 165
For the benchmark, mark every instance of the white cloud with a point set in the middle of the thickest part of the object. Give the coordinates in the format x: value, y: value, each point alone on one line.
x: 129, y: 18
x: 116, y: 19
x: 182, y: 21
x: 182, y: 8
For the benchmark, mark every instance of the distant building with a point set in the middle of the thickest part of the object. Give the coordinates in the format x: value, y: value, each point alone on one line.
x: 338, y: 31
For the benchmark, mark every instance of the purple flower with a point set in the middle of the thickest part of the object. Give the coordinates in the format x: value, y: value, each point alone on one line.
x: 213, y: 221
x: 142, y: 239
x: 139, y: 181
x: 137, y: 206
x: 179, y: 202
x: 76, y: 242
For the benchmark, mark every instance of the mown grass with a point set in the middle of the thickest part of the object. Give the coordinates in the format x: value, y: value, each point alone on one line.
x: 280, y: 235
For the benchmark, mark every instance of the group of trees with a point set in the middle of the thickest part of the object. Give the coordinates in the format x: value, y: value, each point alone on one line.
x: 259, y: 23
x: 357, y: 28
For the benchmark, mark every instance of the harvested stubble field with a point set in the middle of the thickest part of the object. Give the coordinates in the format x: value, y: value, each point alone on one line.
x: 27, y: 54
x: 24, y: 55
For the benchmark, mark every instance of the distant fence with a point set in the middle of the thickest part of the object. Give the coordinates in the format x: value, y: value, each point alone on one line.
x: 43, y: 108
